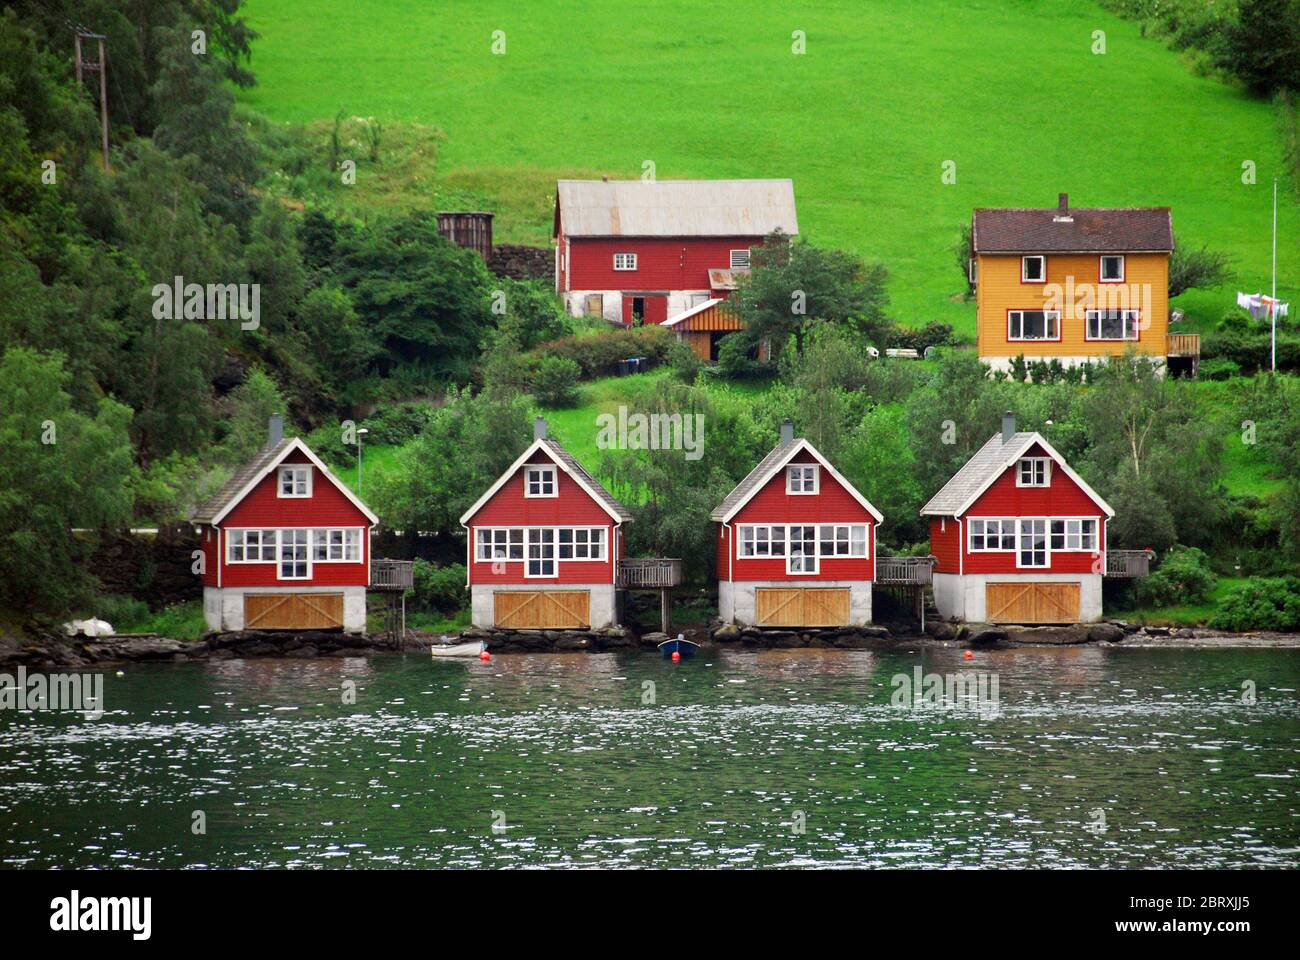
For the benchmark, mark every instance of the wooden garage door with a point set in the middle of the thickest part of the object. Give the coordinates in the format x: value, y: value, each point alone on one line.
x: 293, y: 611
x: 1032, y: 602
x: 542, y: 609
x: 801, y: 607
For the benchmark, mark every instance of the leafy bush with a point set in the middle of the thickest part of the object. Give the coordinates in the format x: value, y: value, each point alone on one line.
x: 438, y: 589
x: 1183, y: 577
x: 555, y: 382
x: 123, y: 612
x: 1251, y: 350
x: 1260, y: 604
x: 933, y: 334
x: 1220, y: 368
x: 599, y: 354
x: 686, y: 365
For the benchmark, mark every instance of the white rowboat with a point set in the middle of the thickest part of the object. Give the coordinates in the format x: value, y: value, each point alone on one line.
x: 457, y: 649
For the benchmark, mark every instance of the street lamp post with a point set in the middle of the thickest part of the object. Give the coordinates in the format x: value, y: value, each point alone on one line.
x: 360, y: 433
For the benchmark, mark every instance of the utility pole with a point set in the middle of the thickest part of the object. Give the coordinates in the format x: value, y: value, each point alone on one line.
x: 102, y: 68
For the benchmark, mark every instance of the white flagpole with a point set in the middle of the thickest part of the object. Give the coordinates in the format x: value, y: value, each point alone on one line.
x: 1272, y: 307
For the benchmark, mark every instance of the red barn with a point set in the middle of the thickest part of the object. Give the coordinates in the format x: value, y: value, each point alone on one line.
x: 285, y: 545
x: 796, y: 543
x: 1019, y: 536
x: 544, y: 543
x: 638, y: 251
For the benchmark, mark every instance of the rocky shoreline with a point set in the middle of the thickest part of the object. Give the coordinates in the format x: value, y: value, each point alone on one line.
x: 49, y: 651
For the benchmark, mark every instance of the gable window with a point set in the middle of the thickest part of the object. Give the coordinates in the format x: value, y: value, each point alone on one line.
x: 740, y: 259
x: 801, y: 478
x: 990, y: 535
x: 1074, y: 535
x: 625, y: 261
x: 1033, y: 269
x: 295, y: 481
x: 541, y: 553
x: 1033, y: 472
x: 1033, y: 324
x: 1112, y: 269
x: 1112, y: 324
x: 803, y: 550
x: 250, y: 546
x: 539, y: 481
x: 293, y: 555
x: 1033, y: 544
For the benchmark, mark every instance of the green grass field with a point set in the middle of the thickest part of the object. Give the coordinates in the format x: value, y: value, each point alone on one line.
x: 863, y: 122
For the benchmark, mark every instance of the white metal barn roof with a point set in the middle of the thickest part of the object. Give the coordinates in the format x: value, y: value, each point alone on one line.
x: 674, y: 208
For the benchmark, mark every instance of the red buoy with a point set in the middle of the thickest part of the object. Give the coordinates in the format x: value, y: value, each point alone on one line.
x: 677, y: 656
x: 968, y: 655
x: 485, y: 656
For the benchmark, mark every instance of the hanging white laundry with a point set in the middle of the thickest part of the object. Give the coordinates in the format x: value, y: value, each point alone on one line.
x: 1261, y: 306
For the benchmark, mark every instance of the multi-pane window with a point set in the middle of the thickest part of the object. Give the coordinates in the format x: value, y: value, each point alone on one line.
x: 625, y: 261
x: 582, y: 543
x: 539, y: 481
x: 1033, y: 324
x: 1112, y: 324
x: 1033, y: 269
x: 499, y: 544
x: 803, y: 550
x: 1112, y: 268
x: 342, y: 546
x: 251, y: 546
x: 1033, y: 544
x: 1074, y: 535
x: 1032, y: 472
x: 988, y: 535
x: 801, y: 478
x: 295, y: 481
x: 762, y: 541
x: 293, y: 555
x: 541, y: 553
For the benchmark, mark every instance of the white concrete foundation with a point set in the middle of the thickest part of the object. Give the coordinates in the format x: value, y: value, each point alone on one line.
x: 575, y: 302
x: 737, y: 602
x: 223, y: 608
x: 602, y: 605
x: 1002, y: 365
x: 962, y: 596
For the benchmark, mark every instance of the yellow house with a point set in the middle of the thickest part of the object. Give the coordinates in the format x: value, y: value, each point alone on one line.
x: 1074, y: 285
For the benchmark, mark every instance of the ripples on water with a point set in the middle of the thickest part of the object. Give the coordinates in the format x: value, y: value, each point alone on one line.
x: 739, y: 748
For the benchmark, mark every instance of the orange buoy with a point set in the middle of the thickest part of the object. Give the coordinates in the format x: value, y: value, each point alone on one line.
x: 677, y: 656
x: 968, y: 655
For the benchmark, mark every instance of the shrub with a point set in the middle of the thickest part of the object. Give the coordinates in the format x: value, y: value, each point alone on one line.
x: 1183, y: 577
x: 686, y: 365
x: 555, y: 382
x: 121, y: 611
x: 933, y: 334
x: 599, y: 354
x: 438, y: 589
x: 1220, y: 368
x: 1260, y: 604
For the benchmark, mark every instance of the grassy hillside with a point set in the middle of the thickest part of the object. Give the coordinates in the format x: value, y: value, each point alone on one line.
x: 863, y: 121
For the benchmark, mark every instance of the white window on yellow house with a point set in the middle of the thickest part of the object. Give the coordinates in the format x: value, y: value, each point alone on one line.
x: 1033, y: 269
x: 1112, y: 324
x: 1112, y: 268
x: 1033, y: 325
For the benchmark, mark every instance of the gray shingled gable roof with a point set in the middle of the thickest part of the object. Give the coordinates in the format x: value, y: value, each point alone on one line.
x: 573, y: 466
x: 1086, y: 230
x: 746, y: 487
x: 674, y: 208
x: 241, y: 478
x: 988, y: 463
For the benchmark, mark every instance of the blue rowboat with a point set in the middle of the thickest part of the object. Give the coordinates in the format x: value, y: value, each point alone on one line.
x: 680, y: 645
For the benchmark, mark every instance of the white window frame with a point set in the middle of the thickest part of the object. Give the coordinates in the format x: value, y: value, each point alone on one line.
x: 1006, y: 527
x: 805, y: 472
x: 544, y: 470
x: 1133, y: 317
x: 499, y: 539
x: 347, y: 540
x: 798, y: 564
x: 759, y: 539
x: 1078, y: 534
x: 1101, y: 268
x: 544, y: 538
x: 973, y: 271
x: 1042, y: 273
x: 625, y: 262
x: 294, y: 470
x: 237, y: 539
x: 739, y: 259
x: 288, y: 537
x: 1021, y: 535
x: 1020, y: 314
x: 591, y: 540
x: 1034, y: 464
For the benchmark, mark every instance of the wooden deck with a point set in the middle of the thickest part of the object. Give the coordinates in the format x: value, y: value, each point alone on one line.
x: 392, y: 575
x: 1122, y: 564
x: 905, y: 571
x: 649, y: 573
x: 1183, y: 345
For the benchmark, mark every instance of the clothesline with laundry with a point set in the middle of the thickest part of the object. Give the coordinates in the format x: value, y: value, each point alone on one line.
x: 1261, y: 306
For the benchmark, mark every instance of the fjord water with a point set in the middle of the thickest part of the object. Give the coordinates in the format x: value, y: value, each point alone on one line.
x: 1097, y: 757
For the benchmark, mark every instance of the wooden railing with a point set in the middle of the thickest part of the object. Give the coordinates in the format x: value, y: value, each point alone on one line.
x: 892, y: 571
x: 1183, y: 345
x: 392, y: 574
x: 1128, y: 563
x: 649, y: 573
